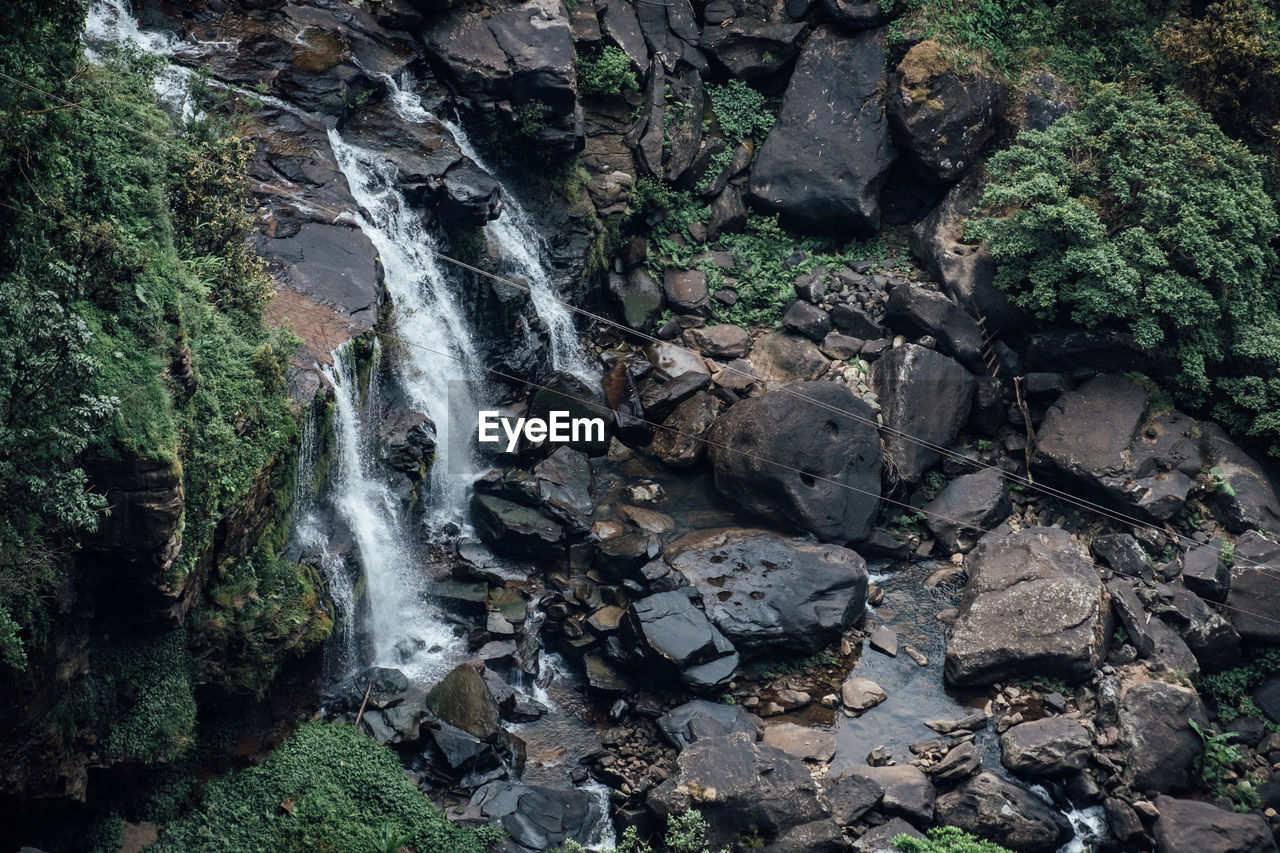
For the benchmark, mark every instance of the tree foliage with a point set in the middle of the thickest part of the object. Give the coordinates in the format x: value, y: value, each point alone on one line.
x: 1138, y: 213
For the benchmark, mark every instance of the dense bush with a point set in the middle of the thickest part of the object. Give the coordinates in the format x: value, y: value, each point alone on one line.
x: 1228, y: 60
x: 326, y: 788
x: 130, y: 316
x: 1138, y: 213
x: 946, y: 839
x: 607, y: 73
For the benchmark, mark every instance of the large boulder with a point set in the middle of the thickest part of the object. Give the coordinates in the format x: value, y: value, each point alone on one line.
x: 740, y: 787
x: 750, y: 47
x: 515, y: 529
x: 702, y: 718
x: 1053, y: 746
x: 677, y: 634
x: 1033, y: 607
x: 535, y: 817
x: 1004, y: 812
x: 942, y: 118
x: 967, y: 507
x: 1101, y: 435
x: 781, y: 357
x: 770, y: 451
x: 1156, y: 741
x: 518, y: 61
x: 681, y: 444
x: 923, y: 311
x: 1193, y: 826
x: 1248, y: 501
x: 1253, y: 605
x: 924, y: 395
x: 828, y: 154
x: 905, y: 790
x: 462, y: 699
x: 769, y: 593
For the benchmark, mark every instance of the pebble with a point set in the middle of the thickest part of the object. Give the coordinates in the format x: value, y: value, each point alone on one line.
x: 885, y: 639
x: 916, y: 655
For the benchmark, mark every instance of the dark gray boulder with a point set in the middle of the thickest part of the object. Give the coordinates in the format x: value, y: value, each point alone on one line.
x: 749, y: 47
x: 686, y: 290
x: 856, y: 322
x: 515, y: 529
x: 723, y: 341
x: 807, y: 319
x: 1157, y: 743
x: 1004, y: 812
x: 1193, y: 826
x: 919, y: 310
x: 1154, y: 641
x: 1250, y: 502
x: 925, y: 395
x: 1053, y: 746
x: 1124, y: 555
x: 851, y: 796
x: 677, y: 633
x: 702, y: 718
x: 536, y: 817
x: 1033, y: 607
x: 1253, y: 602
x: 966, y: 508
x: 906, y: 790
x: 855, y: 14
x: 804, y: 441
x: 1212, y: 639
x: 769, y: 593
x: 757, y: 789
x: 827, y: 156
x: 1144, y: 464
x: 1206, y: 572
x: 781, y: 357
x: 942, y: 119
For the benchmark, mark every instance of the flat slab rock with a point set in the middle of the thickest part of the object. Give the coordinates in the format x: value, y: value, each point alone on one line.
x: 1034, y: 606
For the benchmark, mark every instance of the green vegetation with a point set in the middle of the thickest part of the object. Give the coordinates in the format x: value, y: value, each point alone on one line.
x: 742, y: 114
x: 767, y: 258
x: 770, y: 670
x: 946, y: 839
x: 326, y: 788
x: 1230, y: 688
x: 143, y: 684
x: 131, y: 311
x: 1220, y: 757
x: 1138, y: 213
x: 255, y: 612
x: 608, y: 72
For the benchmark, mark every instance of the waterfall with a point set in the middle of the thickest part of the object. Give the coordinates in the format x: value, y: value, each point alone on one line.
x: 403, y: 630
x: 523, y: 252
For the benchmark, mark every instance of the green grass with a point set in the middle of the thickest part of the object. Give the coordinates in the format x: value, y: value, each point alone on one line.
x: 326, y: 789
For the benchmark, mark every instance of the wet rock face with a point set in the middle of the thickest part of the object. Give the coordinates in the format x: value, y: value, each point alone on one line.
x: 1034, y: 607
x: 824, y: 162
x: 812, y: 443
x: 1004, y: 812
x: 430, y: 167
x: 677, y: 634
x: 768, y: 593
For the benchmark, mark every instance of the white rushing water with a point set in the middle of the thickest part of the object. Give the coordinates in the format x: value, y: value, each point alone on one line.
x: 402, y: 628
x: 523, y: 251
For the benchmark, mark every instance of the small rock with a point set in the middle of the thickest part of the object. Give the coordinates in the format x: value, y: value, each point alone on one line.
x: 861, y: 694
x: 885, y: 639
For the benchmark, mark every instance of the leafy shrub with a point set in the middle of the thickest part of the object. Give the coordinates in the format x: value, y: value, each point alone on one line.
x: 1228, y: 60
x: 946, y: 839
x: 1140, y: 214
x: 1218, y: 758
x: 256, y: 612
x: 1230, y: 688
x: 607, y: 73
x: 326, y: 788
x: 740, y: 111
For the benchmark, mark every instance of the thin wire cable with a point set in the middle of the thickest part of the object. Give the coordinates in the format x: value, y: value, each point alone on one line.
x: 604, y: 408
x: 1026, y: 482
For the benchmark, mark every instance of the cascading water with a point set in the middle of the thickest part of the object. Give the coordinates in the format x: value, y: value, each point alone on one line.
x: 401, y: 628
x: 523, y: 250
